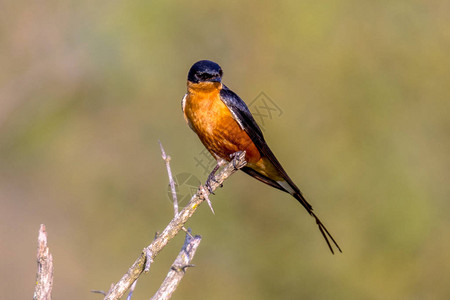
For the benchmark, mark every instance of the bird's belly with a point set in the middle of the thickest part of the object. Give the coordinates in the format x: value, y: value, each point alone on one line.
x: 219, y: 132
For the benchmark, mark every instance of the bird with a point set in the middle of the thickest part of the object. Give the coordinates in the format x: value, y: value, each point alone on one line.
x: 225, y: 126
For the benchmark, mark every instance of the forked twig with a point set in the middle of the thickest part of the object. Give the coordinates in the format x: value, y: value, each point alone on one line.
x: 166, y: 158
x: 178, y: 268
x: 172, y: 229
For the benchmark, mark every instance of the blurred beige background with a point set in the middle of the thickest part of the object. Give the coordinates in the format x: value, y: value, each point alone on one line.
x: 87, y: 88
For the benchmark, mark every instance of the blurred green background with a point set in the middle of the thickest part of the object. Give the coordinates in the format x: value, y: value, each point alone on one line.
x: 87, y: 88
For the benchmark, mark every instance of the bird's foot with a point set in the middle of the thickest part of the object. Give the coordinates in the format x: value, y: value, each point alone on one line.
x: 233, y: 156
x: 208, y: 187
x: 212, y: 176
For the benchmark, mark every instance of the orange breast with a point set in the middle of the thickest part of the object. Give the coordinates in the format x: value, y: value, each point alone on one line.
x: 214, y: 124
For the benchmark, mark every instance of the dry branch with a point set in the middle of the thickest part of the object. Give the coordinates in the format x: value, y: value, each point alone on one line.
x: 44, y: 276
x: 149, y: 253
x: 178, y: 268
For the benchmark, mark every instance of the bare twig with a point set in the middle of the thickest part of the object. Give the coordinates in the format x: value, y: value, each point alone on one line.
x: 44, y: 276
x: 178, y: 268
x: 172, y: 229
x: 166, y: 158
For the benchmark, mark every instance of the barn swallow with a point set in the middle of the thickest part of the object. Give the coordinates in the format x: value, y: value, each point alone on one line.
x: 225, y: 126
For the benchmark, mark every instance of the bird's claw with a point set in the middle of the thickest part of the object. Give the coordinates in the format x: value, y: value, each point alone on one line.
x: 208, y: 187
x: 233, y: 156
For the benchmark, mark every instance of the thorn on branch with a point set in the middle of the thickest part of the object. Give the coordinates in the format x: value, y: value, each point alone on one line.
x: 206, y: 197
x: 182, y: 268
x: 98, y: 292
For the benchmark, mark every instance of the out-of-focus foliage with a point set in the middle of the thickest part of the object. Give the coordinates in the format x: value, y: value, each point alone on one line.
x: 87, y: 88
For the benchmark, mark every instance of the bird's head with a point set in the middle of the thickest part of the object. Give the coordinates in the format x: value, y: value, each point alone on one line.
x: 205, y: 71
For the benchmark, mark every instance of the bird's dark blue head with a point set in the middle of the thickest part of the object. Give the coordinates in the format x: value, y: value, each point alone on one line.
x: 205, y: 71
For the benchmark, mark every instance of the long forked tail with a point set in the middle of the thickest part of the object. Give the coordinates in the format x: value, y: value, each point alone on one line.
x: 326, y: 235
x: 289, y: 187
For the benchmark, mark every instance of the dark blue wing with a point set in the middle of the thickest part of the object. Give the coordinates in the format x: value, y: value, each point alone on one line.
x: 241, y: 112
x: 245, y: 119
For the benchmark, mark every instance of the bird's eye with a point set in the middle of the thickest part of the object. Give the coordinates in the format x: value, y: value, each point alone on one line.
x: 204, y: 76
